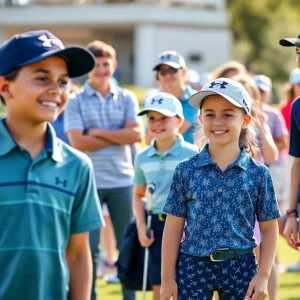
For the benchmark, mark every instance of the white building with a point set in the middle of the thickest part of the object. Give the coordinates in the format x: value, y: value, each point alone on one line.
x: 138, y: 29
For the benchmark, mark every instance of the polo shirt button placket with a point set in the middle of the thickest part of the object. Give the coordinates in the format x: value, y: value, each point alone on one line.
x: 31, y: 189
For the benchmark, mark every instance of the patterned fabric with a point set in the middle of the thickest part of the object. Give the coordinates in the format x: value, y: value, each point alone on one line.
x: 113, y: 165
x: 151, y: 166
x: 42, y: 202
x: 220, y: 207
x: 197, y: 279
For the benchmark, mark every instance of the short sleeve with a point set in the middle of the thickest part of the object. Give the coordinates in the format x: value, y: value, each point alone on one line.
x: 280, y: 128
x: 267, y: 207
x: 86, y: 211
x: 295, y: 129
x: 139, y: 176
x: 72, y: 115
x: 176, y: 202
x: 132, y: 107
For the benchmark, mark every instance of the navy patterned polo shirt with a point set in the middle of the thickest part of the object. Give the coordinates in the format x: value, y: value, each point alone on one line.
x: 220, y: 206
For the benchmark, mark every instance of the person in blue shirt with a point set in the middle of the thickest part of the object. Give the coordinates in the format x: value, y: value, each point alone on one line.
x: 172, y: 76
x: 291, y: 230
x: 218, y: 194
x: 49, y: 199
x: 156, y: 164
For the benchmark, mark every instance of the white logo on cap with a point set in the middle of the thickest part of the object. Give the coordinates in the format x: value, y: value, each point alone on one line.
x: 51, y: 42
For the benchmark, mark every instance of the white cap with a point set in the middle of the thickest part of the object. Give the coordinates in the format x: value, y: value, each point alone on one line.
x: 163, y: 103
x: 295, y: 76
x: 229, y: 89
x: 263, y: 82
x: 170, y: 58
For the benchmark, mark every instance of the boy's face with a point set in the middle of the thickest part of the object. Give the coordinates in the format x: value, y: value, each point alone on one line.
x: 298, y: 56
x: 39, y: 92
x: 104, y: 70
x: 161, y: 127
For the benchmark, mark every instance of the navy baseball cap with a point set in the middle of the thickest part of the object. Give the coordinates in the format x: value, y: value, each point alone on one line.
x: 290, y: 42
x: 33, y: 46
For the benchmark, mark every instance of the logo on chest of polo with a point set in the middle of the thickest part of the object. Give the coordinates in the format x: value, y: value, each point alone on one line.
x: 60, y: 182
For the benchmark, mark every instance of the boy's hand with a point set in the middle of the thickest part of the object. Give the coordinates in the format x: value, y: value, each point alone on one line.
x: 168, y: 290
x: 143, y: 239
x: 290, y: 232
x: 258, y: 285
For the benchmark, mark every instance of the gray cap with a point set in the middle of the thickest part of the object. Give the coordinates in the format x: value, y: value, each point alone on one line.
x: 263, y: 82
x: 229, y: 89
x: 170, y: 58
x: 295, y: 76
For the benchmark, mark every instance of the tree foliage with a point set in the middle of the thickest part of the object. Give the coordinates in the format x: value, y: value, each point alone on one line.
x: 257, y: 27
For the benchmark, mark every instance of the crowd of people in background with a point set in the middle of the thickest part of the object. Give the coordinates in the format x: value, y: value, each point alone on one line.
x: 104, y: 121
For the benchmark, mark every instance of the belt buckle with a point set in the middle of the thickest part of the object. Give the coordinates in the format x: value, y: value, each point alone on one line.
x: 211, y: 256
x: 160, y: 217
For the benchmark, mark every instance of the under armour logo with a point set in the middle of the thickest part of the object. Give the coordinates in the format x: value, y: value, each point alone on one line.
x: 165, y: 57
x: 245, y: 104
x: 222, y: 85
x: 51, y: 42
x: 62, y: 182
x: 160, y: 101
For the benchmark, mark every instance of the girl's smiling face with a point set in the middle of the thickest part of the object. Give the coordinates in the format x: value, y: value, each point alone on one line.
x: 222, y: 121
x: 39, y: 92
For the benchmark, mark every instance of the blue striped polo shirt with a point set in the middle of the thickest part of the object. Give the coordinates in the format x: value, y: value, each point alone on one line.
x: 113, y: 165
x: 152, y: 166
x: 42, y: 202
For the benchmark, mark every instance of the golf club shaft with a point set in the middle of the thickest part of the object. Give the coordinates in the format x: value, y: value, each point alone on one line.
x: 145, y: 274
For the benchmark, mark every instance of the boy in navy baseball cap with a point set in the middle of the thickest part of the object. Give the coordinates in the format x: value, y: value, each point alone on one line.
x: 48, y: 195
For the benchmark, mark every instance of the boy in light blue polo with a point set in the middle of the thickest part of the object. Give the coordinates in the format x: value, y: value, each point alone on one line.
x: 48, y: 196
x: 156, y: 164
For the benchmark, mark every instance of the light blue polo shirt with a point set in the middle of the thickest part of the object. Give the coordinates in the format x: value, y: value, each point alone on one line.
x: 42, y: 202
x: 190, y: 114
x: 113, y: 165
x: 152, y: 166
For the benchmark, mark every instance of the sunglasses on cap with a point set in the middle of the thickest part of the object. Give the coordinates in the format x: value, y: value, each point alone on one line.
x: 170, y: 71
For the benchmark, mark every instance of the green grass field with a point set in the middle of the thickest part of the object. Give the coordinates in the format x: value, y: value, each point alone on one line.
x: 289, y: 283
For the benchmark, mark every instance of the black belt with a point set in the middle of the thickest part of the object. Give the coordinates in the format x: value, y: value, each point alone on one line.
x: 160, y: 217
x: 225, y: 254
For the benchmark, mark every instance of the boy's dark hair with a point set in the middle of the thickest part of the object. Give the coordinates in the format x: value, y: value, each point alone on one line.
x: 101, y: 49
x: 11, y: 76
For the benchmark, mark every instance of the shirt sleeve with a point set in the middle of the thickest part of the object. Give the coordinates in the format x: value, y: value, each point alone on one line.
x: 72, y: 115
x: 280, y: 128
x: 176, y: 202
x: 267, y: 207
x: 139, y: 176
x: 132, y: 107
x: 295, y: 129
x: 86, y: 211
